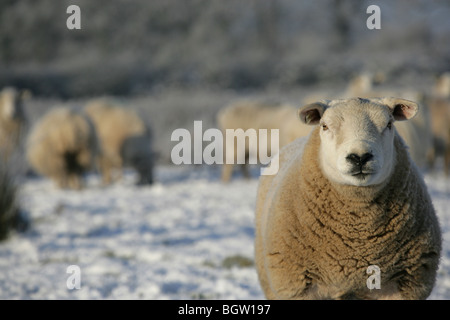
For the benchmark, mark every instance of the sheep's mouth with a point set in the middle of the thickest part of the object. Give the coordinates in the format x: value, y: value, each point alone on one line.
x: 361, y: 174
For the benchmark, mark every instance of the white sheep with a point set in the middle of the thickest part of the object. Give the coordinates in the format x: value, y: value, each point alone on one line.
x: 440, y: 126
x: 416, y: 133
x: 345, y: 198
x: 63, y: 145
x: 441, y: 88
x: 12, y: 121
x: 248, y: 114
x: 124, y: 138
x: 359, y: 85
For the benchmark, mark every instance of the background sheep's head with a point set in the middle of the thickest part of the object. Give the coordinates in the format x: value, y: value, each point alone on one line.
x: 357, y: 137
x: 10, y: 102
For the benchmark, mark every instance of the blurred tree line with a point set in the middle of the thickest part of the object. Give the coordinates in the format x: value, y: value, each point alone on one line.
x: 129, y: 47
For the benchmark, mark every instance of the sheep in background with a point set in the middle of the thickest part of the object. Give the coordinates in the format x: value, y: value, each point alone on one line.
x: 63, y: 145
x: 345, y: 198
x: 12, y: 121
x: 125, y: 141
x: 439, y: 104
x: 359, y: 85
x: 137, y: 154
x: 258, y: 115
x: 441, y: 88
x: 440, y: 125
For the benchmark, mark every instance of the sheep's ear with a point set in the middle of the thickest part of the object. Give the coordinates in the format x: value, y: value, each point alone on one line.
x: 311, y: 113
x: 401, y: 109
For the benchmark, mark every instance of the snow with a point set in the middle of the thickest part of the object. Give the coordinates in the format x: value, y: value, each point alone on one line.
x: 188, y: 236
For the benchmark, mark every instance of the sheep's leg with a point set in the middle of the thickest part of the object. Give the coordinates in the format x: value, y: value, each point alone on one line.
x: 75, y: 182
x: 227, y: 170
x: 105, y: 169
x: 447, y: 160
x: 61, y: 182
x: 431, y: 157
x: 244, y: 166
x: 115, y: 166
x: 145, y: 178
x: 245, y: 171
x: 106, y: 177
x: 119, y: 174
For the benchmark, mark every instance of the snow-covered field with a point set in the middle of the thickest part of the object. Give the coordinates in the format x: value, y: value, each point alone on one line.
x: 186, y: 237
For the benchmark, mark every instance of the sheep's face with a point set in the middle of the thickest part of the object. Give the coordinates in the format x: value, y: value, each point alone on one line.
x: 357, y: 137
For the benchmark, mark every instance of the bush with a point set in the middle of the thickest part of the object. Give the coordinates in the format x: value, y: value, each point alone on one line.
x: 11, y: 217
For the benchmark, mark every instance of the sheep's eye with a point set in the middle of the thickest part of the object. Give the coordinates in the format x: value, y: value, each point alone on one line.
x: 389, y: 125
x: 324, y: 127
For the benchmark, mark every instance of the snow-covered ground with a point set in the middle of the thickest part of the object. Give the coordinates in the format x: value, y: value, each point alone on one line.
x: 186, y: 237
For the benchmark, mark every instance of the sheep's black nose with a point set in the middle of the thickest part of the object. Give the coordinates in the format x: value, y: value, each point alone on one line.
x: 359, y: 160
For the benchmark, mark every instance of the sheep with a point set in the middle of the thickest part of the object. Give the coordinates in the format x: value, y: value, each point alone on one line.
x: 359, y: 85
x: 12, y: 121
x: 440, y: 126
x: 439, y: 104
x: 345, y: 198
x: 63, y: 145
x: 137, y: 153
x: 441, y: 88
x: 248, y: 114
x: 416, y: 133
x: 125, y: 140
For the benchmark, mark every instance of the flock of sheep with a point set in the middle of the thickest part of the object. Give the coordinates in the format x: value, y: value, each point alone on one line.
x: 65, y: 143
x: 349, y: 194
